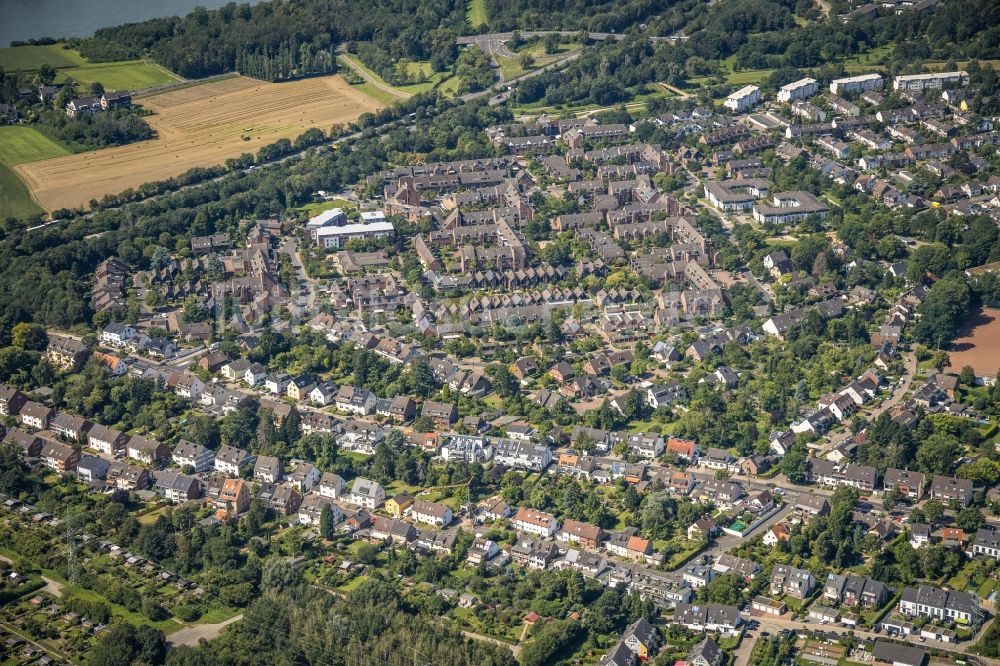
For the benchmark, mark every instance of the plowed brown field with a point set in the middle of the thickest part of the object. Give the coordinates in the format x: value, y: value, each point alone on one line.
x: 199, y: 126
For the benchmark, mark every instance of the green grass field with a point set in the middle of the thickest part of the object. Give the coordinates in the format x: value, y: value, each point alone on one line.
x: 511, y: 67
x: 30, y: 58
x: 475, y: 14
x: 434, y: 80
x: 131, y: 75
x: 20, y: 144
x: 15, y: 199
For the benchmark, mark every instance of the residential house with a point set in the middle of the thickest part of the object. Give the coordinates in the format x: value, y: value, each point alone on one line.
x: 911, y: 484
x: 331, y: 485
x: 234, y: 498
x: 36, y: 415
x: 432, y: 513
x: 268, y: 469
x: 944, y: 605
x: 852, y: 590
x: 230, y: 460
x: 11, y: 400
x: 145, y: 450
x: 442, y: 413
x: 311, y: 510
x: 366, y: 493
x: 70, y: 426
x: 789, y: 581
x: 59, y: 457
x: 92, y: 468
x: 176, y: 487
x: 948, y: 488
x: 304, y: 476
x: 397, y: 505
x: 535, y: 522
x: 107, y: 440
x: 198, y: 457
x: 583, y: 534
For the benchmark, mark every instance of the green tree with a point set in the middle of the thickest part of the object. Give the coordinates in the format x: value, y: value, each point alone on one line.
x: 29, y: 336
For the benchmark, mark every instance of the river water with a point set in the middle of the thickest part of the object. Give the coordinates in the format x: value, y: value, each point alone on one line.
x: 32, y: 19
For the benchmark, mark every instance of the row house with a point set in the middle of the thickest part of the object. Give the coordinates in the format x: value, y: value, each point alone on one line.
x: 945, y: 605
x: 709, y: 617
x: 522, y: 455
x: 827, y: 473
x: 852, y: 590
x: 948, y: 488
x: 911, y: 484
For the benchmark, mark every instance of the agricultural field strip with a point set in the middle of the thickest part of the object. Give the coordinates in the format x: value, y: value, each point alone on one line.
x: 197, y: 126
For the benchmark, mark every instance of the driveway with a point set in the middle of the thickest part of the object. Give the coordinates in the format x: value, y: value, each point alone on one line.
x: 190, y: 635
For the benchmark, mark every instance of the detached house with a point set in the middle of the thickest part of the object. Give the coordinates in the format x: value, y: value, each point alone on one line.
x: 535, y: 522
x: 230, y: 460
x: 70, y: 426
x: 583, y: 534
x: 947, y: 488
x: 36, y: 415
x: 107, y: 440
x: 11, y: 400
x: 432, y: 513
x: 911, y: 484
x: 442, y: 413
x: 198, y: 457
x: 146, y: 451
x: 60, y: 457
x: 790, y: 581
x: 366, y: 493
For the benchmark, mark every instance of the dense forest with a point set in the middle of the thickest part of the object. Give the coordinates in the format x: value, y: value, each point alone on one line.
x: 590, y: 15
x: 277, y: 40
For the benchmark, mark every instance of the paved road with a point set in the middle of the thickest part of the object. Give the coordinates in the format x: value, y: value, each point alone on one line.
x: 190, y: 635
x: 773, y: 625
x: 516, y: 649
x: 58, y: 654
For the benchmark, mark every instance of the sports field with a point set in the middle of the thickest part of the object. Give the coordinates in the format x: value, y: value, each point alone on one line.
x: 197, y: 126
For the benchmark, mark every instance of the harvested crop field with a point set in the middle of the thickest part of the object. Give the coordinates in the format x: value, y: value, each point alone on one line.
x: 978, y: 344
x: 197, y: 126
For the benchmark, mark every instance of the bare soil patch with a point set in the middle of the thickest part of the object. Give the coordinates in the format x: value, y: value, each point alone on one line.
x: 978, y: 344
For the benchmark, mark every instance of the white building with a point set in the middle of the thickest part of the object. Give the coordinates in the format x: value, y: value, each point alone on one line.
x: 337, y: 237
x: 534, y: 521
x: 801, y: 89
x: 743, y: 99
x: 931, y: 80
x: 856, y: 84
